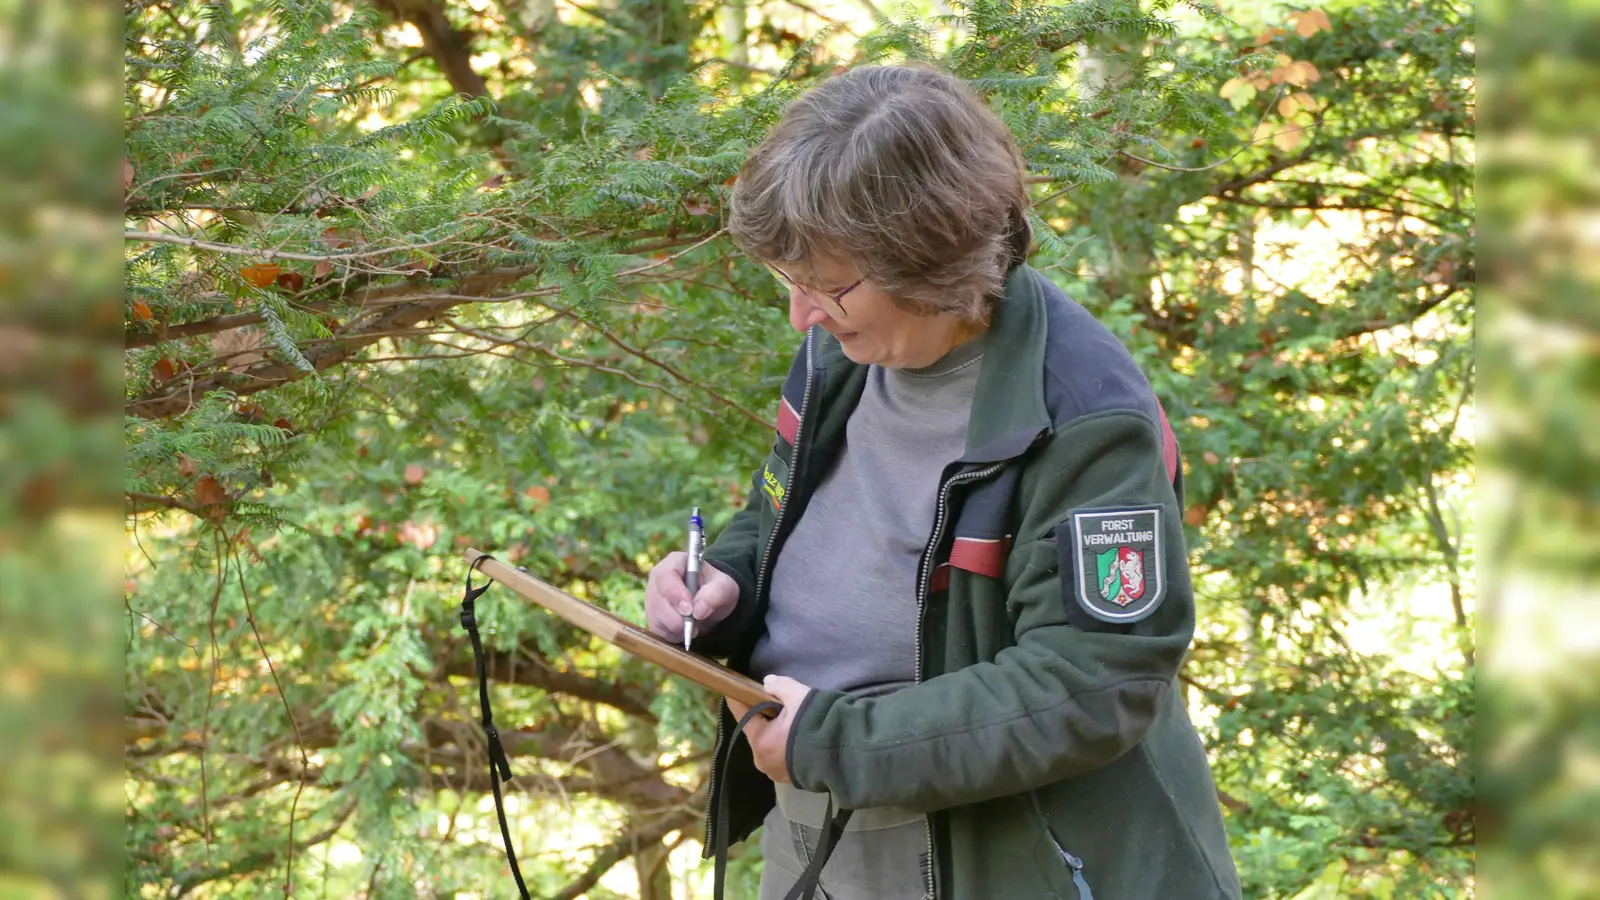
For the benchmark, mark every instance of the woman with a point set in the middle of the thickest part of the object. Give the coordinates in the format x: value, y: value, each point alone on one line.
x: 962, y: 567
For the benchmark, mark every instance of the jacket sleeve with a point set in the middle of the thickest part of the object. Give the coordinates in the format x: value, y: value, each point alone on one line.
x: 1069, y: 696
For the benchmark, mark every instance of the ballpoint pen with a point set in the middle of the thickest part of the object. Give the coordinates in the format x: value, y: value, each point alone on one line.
x: 691, y: 577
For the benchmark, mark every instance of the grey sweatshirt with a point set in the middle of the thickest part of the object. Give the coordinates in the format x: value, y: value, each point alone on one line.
x: 843, y: 602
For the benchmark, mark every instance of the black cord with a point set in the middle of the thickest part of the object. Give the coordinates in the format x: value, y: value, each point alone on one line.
x: 500, y: 770
x: 499, y: 765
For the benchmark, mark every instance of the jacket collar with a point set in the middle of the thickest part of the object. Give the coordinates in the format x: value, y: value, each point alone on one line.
x: 1008, y: 409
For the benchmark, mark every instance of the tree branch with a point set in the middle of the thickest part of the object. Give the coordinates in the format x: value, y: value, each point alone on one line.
x: 259, y: 253
x: 670, y: 370
x: 1273, y: 168
x: 473, y: 287
x: 251, y: 862
x: 622, y: 848
x: 450, y: 48
x: 524, y: 668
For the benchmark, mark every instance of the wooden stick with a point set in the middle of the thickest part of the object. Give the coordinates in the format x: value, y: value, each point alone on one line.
x: 623, y: 634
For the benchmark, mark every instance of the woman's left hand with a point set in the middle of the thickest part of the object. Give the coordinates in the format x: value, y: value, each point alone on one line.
x: 769, y: 738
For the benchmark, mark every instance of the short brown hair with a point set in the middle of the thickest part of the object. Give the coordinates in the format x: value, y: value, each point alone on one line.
x: 902, y: 170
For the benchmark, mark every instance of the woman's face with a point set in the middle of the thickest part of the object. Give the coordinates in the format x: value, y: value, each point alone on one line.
x: 870, y: 327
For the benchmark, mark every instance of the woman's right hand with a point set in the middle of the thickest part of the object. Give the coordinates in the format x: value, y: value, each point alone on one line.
x: 666, y: 597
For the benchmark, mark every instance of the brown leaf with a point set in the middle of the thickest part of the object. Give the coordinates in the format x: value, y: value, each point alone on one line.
x: 261, y: 274
x: 251, y: 412
x: 1309, y: 22
x: 187, y: 466
x: 371, y: 192
x: 164, y: 370
x: 414, y: 474
x: 1210, y: 458
x: 422, y: 536
x: 283, y: 424
x: 238, y: 348
x: 322, y: 269
x: 539, y: 494
x: 340, y: 238
x: 142, y: 312
x: 291, y: 281
x: 697, y: 206
x: 1195, y: 515
x: 39, y: 495
x: 209, y: 492
x: 645, y: 153
x: 1444, y: 270
x: 127, y: 174
x: 1302, y: 73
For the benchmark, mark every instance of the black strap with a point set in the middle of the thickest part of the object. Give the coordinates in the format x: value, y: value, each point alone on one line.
x: 832, y: 830
x: 500, y: 770
x: 832, y: 827
x: 499, y: 765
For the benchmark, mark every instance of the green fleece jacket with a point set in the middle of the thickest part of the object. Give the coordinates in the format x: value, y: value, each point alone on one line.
x: 1046, y: 738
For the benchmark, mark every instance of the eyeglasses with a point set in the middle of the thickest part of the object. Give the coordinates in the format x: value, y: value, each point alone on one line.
x: 833, y: 304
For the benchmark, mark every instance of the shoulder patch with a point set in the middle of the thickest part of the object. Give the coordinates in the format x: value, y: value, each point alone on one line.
x: 1114, y: 557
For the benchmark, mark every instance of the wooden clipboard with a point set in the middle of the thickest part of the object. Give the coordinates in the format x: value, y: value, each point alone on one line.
x: 618, y: 631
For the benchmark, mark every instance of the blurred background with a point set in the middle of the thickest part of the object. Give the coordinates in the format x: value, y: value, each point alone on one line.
x: 403, y: 277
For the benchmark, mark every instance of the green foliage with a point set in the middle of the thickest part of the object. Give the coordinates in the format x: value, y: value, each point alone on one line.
x: 515, y: 324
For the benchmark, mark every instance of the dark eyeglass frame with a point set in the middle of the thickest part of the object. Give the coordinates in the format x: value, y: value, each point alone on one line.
x: 836, y: 307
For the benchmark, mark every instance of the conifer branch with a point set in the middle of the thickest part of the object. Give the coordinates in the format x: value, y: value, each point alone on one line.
x: 629, y: 349
x: 470, y: 288
x: 269, y: 255
x: 162, y: 501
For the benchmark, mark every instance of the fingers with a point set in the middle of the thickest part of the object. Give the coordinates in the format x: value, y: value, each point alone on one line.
x: 667, y: 579
x: 717, y: 596
x: 666, y: 597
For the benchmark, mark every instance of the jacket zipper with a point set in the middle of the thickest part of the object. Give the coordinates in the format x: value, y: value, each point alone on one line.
x: 794, y: 467
x: 923, y: 578
x: 761, y: 567
x: 1073, y: 863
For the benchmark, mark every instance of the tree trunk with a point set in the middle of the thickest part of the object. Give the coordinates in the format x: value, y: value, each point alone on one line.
x: 650, y: 864
x: 451, y: 49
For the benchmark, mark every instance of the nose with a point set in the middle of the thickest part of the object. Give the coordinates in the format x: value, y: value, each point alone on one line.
x: 803, y: 311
